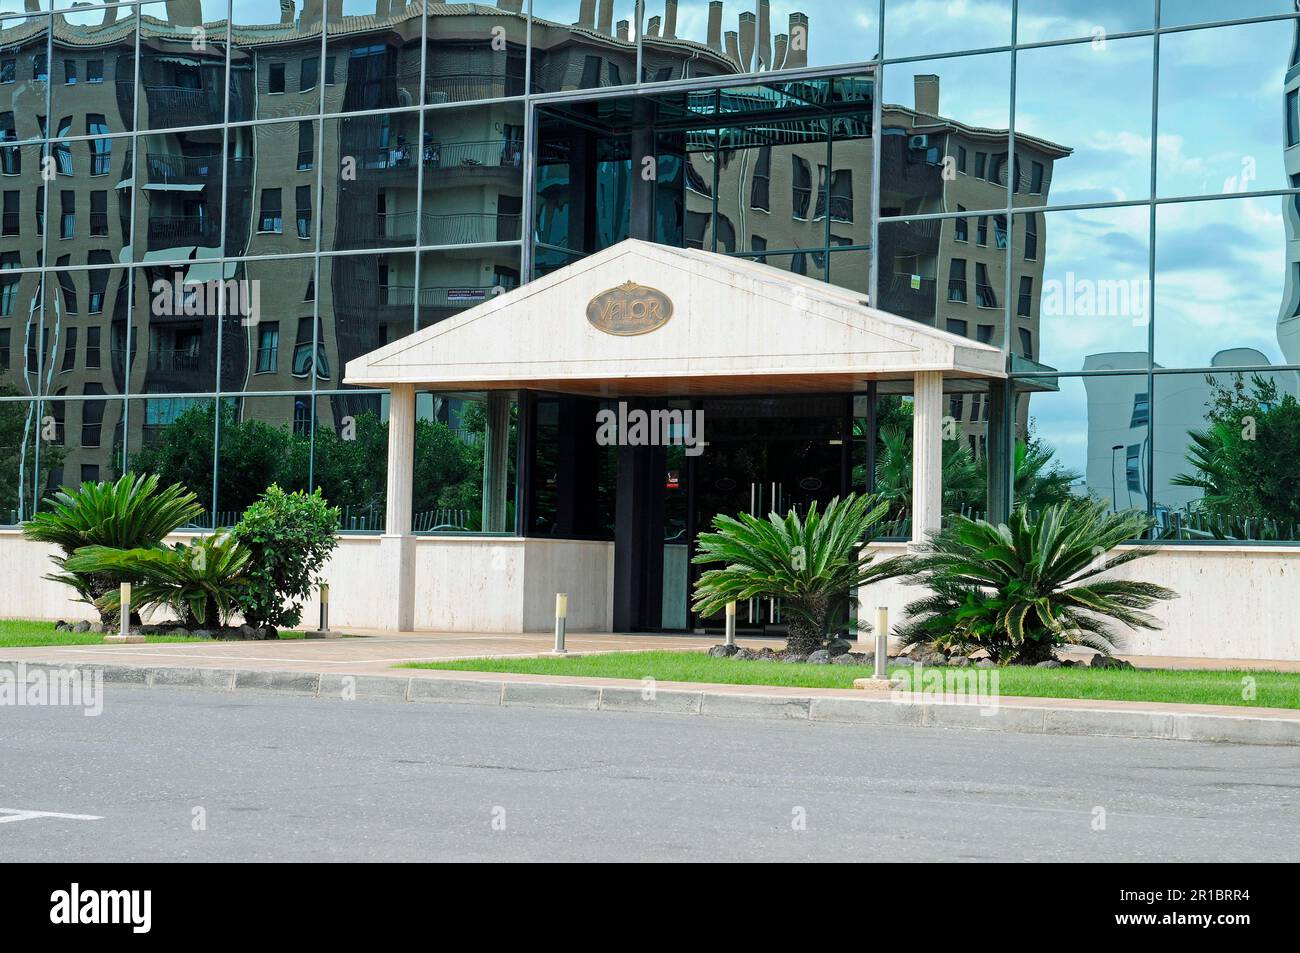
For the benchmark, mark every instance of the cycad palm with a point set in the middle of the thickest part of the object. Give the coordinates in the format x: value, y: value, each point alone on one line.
x: 129, y: 514
x: 813, y: 565
x: 1020, y: 588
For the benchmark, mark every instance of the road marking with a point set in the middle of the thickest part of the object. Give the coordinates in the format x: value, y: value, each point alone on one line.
x: 8, y: 814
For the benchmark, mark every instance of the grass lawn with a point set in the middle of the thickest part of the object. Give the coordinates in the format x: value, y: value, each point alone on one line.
x: 19, y: 633
x: 1191, y: 686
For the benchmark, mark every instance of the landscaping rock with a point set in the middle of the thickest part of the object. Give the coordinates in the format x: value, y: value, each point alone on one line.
x: 248, y: 632
x: 1109, y: 661
x: 839, y: 647
x: 901, y: 660
x: 62, y: 626
x: 203, y: 634
x: 984, y: 663
x: 820, y: 657
x: 765, y: 658
x: 933, y: 658
x: 179, y: 631
x: 1050, y: 663
x: 82, y: 626
x: 794, y: 658
x: 722, y: 651
x: 745, y: 655
x: 852, y: 658
x: 766, y: 652
x: 96, y: 627
x: 958, y: 661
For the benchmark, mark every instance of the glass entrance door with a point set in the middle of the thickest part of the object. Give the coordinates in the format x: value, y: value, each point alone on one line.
x: 762, y: 456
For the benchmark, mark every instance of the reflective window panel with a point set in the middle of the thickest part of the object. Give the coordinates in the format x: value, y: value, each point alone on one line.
x: 266, y: 336
x: 1083, y: 122
x: 916, y: 27
x: 182, y: 72
x: 92, y: 74
x: 1211, y: 142
x: 25, y: 463
x: 375, y: 61
x: 24, y: 345
x: 371, y: 181
x: 174, y: 327
x: 452, y: 281
x: 86, y: 316
x: 1225, y: 451
x: 179, y: 198
x: 1039, y: 21
x: 946, y: 116
x: 585, y: 44
x: 174, y: 438
x: 24, y: 77
x: 272, y: 202
x: 276, y: 65
x: 1080, y: 291
x: 1083, y: 436
x: 1184, y: 12
x: 471, y: 165
x: 350, y: 460
x: 366, y: 301
x: 262, y: 440
x: 475, y: 52
x: 1227, y: 290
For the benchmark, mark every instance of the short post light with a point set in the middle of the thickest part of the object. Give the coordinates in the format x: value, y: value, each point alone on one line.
x: 124, y: 635
x: 324, y: 631
x: 882, y: 642
x: 561, y: 619
x: 731, y: 623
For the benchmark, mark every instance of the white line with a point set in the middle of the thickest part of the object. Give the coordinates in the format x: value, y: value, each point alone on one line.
x: 15, y: 814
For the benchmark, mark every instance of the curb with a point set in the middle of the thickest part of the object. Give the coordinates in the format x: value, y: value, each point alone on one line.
x: 1115, y: 722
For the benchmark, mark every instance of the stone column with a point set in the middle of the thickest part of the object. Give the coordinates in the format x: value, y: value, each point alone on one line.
x: 496, y: 460
x: 397, y: 545
x: 927, y: 453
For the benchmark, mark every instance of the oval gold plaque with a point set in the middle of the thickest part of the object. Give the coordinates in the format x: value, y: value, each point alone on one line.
x: 629, y: 309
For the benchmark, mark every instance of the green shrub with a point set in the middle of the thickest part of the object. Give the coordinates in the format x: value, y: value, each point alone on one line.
x: 289, y: 537
x: 129, y: 514
x: 200, y: 581
x: 812, y: 565
x: 1022, y: 588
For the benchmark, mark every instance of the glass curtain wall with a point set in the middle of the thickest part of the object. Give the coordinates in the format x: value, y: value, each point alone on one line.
x: 1111, y: 198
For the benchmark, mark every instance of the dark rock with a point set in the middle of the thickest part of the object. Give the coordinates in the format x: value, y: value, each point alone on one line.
x: 765, y: 658
x: 96, y: 627
x: 766, y: 652
x: 933, y: 658
x: 901, y: 660
x: 745, y: 655
x: 722, y: 651
x: 1109, y: 661
x: 62, y: 626
x: 852, y: 658
x: 984, y: 663
x: 820, y: 657
x: 203, y: 633
x: 82, y: 626
x: 249, y: 632
x: 1050, y: 663
x: 794, y: 658
x: 958, y: 661
x: 839, y: 647
x: 179, y: 630
x: 270, y: 633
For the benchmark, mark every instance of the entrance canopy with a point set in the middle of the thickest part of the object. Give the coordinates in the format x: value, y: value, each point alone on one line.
x: 642, y: 319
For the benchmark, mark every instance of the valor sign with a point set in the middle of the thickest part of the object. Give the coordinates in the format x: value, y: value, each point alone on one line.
x: 629, y: 309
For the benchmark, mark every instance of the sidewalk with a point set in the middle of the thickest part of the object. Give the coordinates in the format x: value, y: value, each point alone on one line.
x: 365, y: 668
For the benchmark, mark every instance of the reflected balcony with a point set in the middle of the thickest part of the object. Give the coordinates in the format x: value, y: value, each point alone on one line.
x: 171, y: 231
x: 455, y: 228
x: 908, y: 298
x: 462, y: 87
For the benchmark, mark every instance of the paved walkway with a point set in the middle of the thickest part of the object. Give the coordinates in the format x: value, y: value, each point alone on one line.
x: 375, y: 652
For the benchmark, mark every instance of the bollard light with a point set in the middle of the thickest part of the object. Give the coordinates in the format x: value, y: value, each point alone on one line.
x: 124, y: 609
x: 731, y: 623
x: 123, y: 634
x: 561, y: 617
x: 882, y: 641
x: 324, y: 607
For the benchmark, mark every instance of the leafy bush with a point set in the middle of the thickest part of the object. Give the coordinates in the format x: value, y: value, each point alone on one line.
x: 812, y: 565
x: 289, y: 536
x: 200, y: 582
x: 129, y: 514
x: 1020, y: 589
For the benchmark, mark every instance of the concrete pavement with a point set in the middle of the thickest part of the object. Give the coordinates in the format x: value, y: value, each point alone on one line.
x: 178, y: 775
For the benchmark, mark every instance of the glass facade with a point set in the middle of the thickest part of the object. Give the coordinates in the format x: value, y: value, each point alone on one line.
x: 210, y: 207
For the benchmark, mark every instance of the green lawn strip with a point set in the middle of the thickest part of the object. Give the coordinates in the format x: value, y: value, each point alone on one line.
x: 19, y: 633
x: 1186, y: 686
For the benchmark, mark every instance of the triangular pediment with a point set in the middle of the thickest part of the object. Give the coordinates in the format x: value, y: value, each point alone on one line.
x: 645, y: 318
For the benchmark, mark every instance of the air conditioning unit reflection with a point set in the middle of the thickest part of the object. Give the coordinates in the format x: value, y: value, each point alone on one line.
x: 918, y: 142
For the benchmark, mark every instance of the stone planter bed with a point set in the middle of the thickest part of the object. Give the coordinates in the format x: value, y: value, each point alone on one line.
x: 840, y: 652
x: 229, y: 633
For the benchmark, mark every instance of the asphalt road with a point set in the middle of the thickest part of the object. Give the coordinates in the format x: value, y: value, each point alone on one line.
x: 195, y: 775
